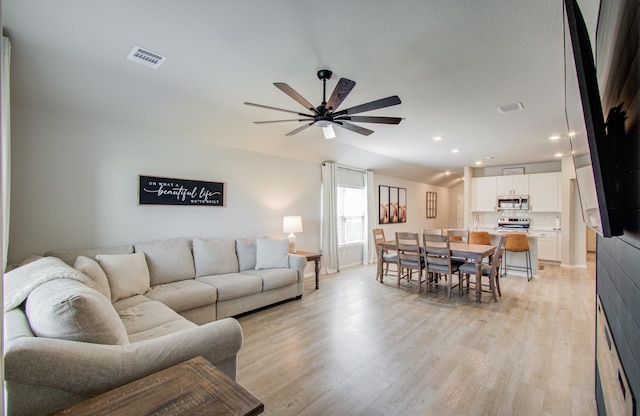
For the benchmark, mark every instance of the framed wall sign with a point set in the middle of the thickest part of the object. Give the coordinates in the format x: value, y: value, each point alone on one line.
x: 393, y: 205
x: 432, y: 204
x: 155, y: 190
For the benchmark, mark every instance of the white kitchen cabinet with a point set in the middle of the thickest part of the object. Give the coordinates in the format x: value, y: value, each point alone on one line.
x: 547, y: 245
x: 544, y: 192
x: 512, y: 185
x: 483, y: 194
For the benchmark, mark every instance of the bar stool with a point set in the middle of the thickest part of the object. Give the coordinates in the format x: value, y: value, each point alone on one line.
x: 479, y: 237
x: 518, y: 243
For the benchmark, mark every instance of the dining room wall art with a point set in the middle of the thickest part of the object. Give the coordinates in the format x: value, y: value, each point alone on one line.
x: 393, y: 205
x: 155, y: 190
x: 432, y: 205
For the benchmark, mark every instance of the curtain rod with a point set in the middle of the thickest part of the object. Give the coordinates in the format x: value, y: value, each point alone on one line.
x: 345, y: 167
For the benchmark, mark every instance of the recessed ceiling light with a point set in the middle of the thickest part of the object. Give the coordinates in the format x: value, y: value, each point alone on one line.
x: 478, y: 162
x: 447, y: 173
x: 437, y: 138
x: 456, y: 150
x: 558, y: 155
x: 554, y: 137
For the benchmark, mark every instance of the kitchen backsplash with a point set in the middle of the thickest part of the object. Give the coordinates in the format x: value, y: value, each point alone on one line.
x: 539, y: 221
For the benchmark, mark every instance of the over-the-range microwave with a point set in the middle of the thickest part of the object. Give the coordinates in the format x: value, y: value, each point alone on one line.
x: 513, y: 202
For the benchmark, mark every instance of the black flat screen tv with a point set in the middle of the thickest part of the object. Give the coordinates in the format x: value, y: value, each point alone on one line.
x: 593, y: 150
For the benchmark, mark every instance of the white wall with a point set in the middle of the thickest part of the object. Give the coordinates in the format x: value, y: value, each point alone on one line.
x: 416, y: 206
x: 75, y: 184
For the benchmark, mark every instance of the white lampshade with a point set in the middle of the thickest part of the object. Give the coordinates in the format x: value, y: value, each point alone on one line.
x: 291, y: 225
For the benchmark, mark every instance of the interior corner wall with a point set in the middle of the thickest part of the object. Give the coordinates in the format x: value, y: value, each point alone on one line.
x: 416, y: 206
x: 75, y: 185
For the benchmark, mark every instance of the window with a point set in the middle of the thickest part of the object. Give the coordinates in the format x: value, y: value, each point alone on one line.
x: 351, y: 210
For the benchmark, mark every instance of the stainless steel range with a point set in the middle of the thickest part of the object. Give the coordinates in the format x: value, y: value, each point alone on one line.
x: 513, y: 224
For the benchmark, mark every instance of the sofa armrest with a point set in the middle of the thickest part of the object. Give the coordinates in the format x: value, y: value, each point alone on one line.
x: 89, y: 369
x: 298, y: 262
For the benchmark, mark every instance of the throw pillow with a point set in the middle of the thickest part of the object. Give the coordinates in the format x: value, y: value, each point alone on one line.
x: 128, y: 274
x: 213, y: 257
x: 67, y: 309
x: 272, y: 254
x: 91, y: 268
x: 246, y: 250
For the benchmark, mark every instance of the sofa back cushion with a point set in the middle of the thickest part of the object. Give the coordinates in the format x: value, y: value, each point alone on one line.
x: 128, y: 274
x: 272, y: 254
x: 246, y: 250
x: 67, y: 309
x: 168, y: 260
x: 70, y: 256
x: 214, y: 256
x: 92, y: 269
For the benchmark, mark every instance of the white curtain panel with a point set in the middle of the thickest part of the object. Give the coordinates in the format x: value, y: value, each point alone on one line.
x: 369, y: 252
x: 329, y: 226
x: 5, y: 148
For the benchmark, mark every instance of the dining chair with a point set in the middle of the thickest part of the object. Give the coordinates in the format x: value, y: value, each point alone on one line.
x: 385, y: 258
x: 456, y: 234
x: 409, y: 257
x: 437, y: 231
x: 491, y: 271
x: 437, y: 252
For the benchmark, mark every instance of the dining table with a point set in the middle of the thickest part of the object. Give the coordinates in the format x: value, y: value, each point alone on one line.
x: 473, y: 252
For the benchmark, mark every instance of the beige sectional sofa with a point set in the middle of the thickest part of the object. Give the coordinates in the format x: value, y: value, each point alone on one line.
x: 82, y: 322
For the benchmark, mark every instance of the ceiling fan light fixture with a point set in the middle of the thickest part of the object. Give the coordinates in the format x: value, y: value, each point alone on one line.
x: 328, y: 132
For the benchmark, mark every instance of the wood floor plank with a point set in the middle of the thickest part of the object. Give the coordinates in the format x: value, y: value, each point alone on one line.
x: 358, y: 347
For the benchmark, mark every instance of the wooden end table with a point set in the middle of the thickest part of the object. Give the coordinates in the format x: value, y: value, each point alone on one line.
x: 193, y: 387
x: 315, y: 257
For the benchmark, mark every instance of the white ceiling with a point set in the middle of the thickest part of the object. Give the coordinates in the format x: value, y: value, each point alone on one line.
x: 452, y: 62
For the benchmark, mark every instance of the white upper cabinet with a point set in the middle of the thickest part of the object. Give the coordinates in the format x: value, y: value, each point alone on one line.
x: 483, y: 194
x: 512, y: 185
x: 544, y: 192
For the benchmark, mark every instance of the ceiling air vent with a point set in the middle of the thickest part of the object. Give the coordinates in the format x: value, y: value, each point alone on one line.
x: 146, y: 58
x: 508, y: 108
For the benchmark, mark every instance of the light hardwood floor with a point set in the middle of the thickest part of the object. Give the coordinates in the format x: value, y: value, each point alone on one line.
x: 358, y: 347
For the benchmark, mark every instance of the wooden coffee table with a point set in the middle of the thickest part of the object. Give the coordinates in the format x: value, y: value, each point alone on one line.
x: 193, y: 387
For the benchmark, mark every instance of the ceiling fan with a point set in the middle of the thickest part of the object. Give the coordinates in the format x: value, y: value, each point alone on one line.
x: 326, y: 116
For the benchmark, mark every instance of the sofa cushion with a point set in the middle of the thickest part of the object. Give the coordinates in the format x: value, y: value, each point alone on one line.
x: 127, y: 274
x: 246, y: 251
x: 274, y: 278
x: 70, y: 256
x: 67, y: 309
x: 169, y: 260
x: 151, y: 319
x: 92, y: 269
x: 233, y: 285
x: 184, y: 295
x: 272, y: 254
x: 214, y: 256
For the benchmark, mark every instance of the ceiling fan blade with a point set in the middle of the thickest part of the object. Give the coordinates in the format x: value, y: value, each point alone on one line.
x: 281, y: 121
x: 353, y: 127
x: 370, y: 119
x: 276, y: 108
x: 299, y: 129
x: 293, y: 94
x: 373, y: 105
x: 340, y: 92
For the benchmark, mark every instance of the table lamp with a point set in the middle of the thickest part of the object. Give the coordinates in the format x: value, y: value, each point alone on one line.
x: 291, y: 225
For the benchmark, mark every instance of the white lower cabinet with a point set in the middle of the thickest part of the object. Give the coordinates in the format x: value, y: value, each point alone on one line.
x: 548, y: 246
